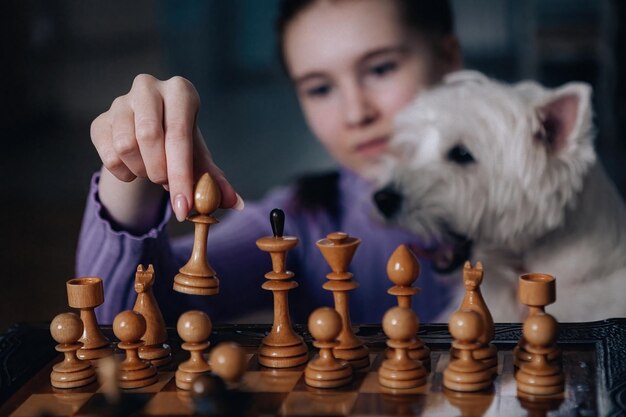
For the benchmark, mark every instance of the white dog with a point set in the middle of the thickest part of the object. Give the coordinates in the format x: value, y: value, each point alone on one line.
x: 512, y: 169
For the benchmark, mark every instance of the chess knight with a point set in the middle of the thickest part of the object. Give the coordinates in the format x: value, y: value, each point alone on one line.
x: 510, y: 171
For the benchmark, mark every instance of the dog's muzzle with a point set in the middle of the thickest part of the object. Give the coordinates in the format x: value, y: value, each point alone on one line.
x: 388, y: 201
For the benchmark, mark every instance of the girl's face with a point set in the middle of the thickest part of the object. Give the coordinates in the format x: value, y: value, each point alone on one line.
x: 355, y: 64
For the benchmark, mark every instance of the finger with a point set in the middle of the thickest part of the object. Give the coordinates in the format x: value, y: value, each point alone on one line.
x: 180, y: 106
x: 102, y: 140
x: 124, y: 140
x: 203, y: 162
x: 147, y: 105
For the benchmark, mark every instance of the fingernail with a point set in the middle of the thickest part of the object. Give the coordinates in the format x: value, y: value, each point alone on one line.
x: 180, y: 207
x: 240, y: 204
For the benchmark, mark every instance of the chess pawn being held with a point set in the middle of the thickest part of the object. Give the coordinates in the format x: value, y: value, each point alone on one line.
x: 66, y: 329
x: 325, y: 371
x: 400, y: 325
x: 197, y: 277
x: 465, y: 373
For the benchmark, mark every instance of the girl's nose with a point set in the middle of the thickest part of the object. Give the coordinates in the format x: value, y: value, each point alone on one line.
x: 358, y: 110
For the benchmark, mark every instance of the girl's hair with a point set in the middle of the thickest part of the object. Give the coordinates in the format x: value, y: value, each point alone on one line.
x: 430, y: 17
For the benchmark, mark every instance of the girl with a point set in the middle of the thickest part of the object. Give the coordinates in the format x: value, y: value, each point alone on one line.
x: 354, y: 65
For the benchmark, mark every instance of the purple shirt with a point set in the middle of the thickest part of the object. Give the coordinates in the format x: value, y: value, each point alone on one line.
x: 114, y: 255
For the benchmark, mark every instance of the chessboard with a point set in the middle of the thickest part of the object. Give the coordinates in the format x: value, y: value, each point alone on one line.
x: 593, y: 362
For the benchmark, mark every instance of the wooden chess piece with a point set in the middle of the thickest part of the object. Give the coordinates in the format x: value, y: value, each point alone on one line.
x: 129, y: 326
x: 86, y: 294
x: 194, y: 327
x: 338, y: 249
x: 539, y: 376
x: 403, y: 269
x: 465, y: 373
x: 209, y: 396
x: 325, y: 371
x: 196, y: 276
x: 400, y: 324
x: 155, y: 349
x: 536, y: 291
x: 228, y: 361
x: 66, y: 329
x: 282, y: 347
x: 473, y: 300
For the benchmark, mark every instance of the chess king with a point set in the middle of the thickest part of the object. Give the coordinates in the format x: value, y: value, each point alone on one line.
x: 512, y: 170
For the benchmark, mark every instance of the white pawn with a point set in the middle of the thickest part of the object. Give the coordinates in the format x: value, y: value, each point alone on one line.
x: 129, y: 326
x: 66, y: 329
x: 194, y: 327
x: 465, y: 373
x: 325, y: 371
x: 400, y: 371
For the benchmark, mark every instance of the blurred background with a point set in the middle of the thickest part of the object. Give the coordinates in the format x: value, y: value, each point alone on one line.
x: 63, y: 62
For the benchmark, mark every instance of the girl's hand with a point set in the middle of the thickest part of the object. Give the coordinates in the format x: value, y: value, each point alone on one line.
x: 152, y: 133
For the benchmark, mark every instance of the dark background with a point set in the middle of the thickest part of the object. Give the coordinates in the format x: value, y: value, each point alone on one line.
x: 63, y: 62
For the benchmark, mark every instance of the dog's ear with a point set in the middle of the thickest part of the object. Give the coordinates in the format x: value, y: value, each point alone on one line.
x: 564, y: 114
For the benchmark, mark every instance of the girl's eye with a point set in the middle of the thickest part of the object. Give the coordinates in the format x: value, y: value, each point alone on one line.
x: 318, y: 91
x: 384, y: 68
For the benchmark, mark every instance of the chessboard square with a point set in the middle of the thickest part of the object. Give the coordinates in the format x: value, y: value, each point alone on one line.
x: 60, y: 404
x: 267, y: 403
x: 389, y: 405
x: 170, y: 403
x: 321, y: 403
x: 270, y: 381
x: 440, y: 407
x: 129, y: 404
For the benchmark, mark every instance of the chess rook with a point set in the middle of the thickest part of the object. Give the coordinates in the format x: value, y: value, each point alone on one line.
x: 66, y: 329
x: 400, y: 324
x: 196, y: 276
x: 155, y: 348
x: 474, y: 301
x: 539, y: 376
x: 325, y: 371
x: 194, y: 328
x: 338, y: 249
x: 282, y: 347
x: 536, y: 291
x: 464, y: 373
x: 129, y: 326
x: 403, y: 269
x: 86, y: 294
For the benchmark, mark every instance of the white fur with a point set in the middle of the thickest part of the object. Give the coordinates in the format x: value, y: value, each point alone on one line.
x: 525, y: 206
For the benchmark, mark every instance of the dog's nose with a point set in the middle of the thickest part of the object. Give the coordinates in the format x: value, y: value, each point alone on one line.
x: 388, y: 201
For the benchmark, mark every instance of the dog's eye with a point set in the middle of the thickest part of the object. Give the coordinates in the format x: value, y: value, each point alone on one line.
x: 460, y: 155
